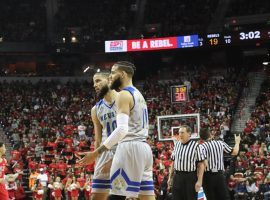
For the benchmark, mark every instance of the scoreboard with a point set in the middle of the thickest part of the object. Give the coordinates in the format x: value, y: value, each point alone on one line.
x: 179, y: 94
x: 245, y: 37
x: 234, y: 38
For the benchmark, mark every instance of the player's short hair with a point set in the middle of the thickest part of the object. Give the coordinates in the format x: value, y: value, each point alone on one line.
x: 104, y: 73
x: 204, y: 133
x: 188, y: 129
x: 127, y: 67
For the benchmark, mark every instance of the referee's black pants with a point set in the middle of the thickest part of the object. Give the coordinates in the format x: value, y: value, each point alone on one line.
x: 183, y: 187
x: 214, y: 186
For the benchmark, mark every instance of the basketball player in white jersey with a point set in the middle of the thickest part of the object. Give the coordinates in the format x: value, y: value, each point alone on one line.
x: 131, y: 170
x: 104, y: 119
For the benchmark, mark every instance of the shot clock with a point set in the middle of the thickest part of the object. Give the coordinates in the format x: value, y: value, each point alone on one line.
x: 179, y: 93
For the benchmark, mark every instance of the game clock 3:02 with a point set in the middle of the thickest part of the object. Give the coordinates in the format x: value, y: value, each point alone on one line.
x: 250, y: 35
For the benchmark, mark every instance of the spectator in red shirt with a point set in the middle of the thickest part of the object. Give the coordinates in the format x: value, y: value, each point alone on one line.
x: 61, y: 168
x: 11, y: 186
x: 68, y: 141
x: 160, y: 176
x: 88, y: 187
x: 19, y: 193
x: 57, y: 187
x: 74, y: 189
x: 3, y: 191
x: 52, y: 144
x: 16, y: 155
x: 53, y: 166
x: 32, y: 164
x: 42, y: 165
x: 81, y: 180
x: 255, y: 147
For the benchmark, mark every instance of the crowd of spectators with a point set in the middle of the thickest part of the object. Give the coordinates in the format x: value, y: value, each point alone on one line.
x: 49, y: 125
x: 213, y: 95
x: 251, y: 178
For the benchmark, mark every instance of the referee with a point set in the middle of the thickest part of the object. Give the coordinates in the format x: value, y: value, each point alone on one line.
x: 214, y: 184
x: 188, y: 166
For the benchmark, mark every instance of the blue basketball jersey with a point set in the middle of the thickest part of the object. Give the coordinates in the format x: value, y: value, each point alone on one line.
x: 138, y: 118
x: 106, y: 115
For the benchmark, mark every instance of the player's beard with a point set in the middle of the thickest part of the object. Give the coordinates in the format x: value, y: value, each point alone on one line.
x: 103, y: 91
x: 115, y: 85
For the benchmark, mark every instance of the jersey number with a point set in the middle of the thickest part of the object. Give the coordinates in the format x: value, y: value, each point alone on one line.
x: 110, y: 128
x: 145, y: 118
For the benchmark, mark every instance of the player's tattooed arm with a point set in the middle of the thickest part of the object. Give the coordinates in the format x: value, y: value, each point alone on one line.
x: 97, y: 127
x: 90, y: 157
x: 101, y: 149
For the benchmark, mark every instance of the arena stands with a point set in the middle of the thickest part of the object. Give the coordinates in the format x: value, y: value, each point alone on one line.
x: 252, y: 178
x: 42, y: 120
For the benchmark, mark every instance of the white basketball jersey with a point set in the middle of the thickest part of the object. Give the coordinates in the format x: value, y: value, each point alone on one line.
x: 138, y: 117
x: 106, y: 115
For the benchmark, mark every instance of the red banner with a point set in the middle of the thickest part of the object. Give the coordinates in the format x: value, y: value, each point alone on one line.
x: 152, y: 44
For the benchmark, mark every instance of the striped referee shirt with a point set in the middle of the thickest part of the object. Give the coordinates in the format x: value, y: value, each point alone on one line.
x: 214, y: 150
x: 185, y: 156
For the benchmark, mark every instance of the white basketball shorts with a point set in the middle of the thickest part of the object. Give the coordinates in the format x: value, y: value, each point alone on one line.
x: 131, y: 171
x: 101, y: 181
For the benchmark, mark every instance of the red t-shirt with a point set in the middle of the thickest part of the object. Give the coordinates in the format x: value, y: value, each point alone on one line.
x: 32, y: 165
x: 42, y: 165
x: 81, y: 181
x: 68, y: 141
x: 15, y: 155
x: 20, y: 193
x: 53, y: 166
x: 61, y: 167
x: 160, y: 179
x: 3, y: 191
x: 52, y: 144
x: 68, y: 129
x: 3, y: 168
x: 90, y: 168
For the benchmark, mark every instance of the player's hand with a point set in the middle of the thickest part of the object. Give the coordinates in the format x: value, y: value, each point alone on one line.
x: 105, y: 169
x: 198, y: 186
x: 83, y: 153
x: 88, y: 159
x: 237, y: 139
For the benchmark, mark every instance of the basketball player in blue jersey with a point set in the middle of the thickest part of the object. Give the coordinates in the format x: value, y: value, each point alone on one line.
x: 131, y: 171
x: 104, y: 119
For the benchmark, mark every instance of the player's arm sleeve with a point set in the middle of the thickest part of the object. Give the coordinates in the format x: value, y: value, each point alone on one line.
x: 123, y: 103
x: 97, y: 127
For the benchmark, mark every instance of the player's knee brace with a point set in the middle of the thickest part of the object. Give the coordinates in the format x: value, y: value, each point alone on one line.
x: 116, y: 197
